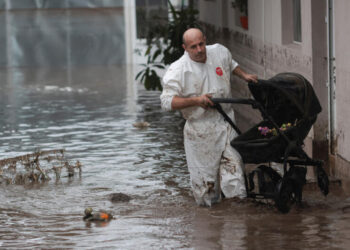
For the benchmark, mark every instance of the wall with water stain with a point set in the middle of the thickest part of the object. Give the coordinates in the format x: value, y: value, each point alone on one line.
x: 342, y: 88
x: 320, y: 78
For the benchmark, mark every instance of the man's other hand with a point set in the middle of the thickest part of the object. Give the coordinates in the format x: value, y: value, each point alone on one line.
x: 251, y: 78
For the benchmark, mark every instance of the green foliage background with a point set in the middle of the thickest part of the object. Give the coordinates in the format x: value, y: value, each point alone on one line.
x: 164, y: 44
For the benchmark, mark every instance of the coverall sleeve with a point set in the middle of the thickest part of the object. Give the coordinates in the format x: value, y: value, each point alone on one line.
x: 229, y: 60
x: 234, y: 64
x: 171, y: 87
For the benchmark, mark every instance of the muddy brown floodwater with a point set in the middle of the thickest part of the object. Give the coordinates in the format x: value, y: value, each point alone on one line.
x: 92, y: 120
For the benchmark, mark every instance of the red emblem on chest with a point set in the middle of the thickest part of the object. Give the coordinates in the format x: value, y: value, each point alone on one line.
x: 219, y: 71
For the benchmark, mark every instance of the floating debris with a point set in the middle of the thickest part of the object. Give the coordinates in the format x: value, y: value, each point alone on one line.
x: 37, y: 167
x: 141, y: 124
x: 101, y: 216
x: 119, y: 197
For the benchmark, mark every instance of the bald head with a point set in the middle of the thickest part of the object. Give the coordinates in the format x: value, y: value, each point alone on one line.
x: 194, y: 43
x: 191, y: 34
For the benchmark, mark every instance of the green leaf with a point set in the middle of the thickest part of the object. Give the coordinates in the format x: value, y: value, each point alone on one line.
x: 149, y: 61
x: 156, y: 54
x: 139, y: 74
x: 143, y: 77
x: 173, y: 11
x: 148, y: 50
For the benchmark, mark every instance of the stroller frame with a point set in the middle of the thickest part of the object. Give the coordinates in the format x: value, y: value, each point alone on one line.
x: 287, y: 189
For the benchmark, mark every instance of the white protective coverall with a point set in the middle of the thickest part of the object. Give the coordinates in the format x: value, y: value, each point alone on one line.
x: 213, y: 164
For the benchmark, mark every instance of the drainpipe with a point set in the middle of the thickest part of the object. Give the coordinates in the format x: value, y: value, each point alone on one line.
x: 264, y: 38
x: 331, y: 77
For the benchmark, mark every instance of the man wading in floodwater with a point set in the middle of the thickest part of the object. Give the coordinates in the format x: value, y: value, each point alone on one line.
x: 204, y: 72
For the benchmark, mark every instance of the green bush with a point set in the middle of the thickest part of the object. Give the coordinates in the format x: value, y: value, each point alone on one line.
x: 164, y: 44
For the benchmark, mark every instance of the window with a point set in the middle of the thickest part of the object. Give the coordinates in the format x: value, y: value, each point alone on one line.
x: 241, y: 12
x: 150, y: 14
x: 297, y: 20
x: 291, y: 21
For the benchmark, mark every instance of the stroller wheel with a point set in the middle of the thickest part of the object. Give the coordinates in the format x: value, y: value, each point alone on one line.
x: 285, y: 197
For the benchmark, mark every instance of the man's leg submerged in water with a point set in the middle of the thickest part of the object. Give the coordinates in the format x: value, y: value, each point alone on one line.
x: 231, y: 174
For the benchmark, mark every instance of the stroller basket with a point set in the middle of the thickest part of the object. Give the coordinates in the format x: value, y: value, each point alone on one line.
x: 286, y: 98
x: 256, y: 148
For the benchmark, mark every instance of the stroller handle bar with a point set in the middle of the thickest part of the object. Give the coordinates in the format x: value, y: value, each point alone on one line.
x: 233, y: 100
x: 255, y: 105
x: 218, y: 107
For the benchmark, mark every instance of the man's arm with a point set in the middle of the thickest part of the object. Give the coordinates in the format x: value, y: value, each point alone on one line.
x: 245, y: 76
x: 186, y: 102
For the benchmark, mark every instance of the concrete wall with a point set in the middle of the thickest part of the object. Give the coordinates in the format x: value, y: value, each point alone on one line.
x: 342, y: 91
x: 320, y: 77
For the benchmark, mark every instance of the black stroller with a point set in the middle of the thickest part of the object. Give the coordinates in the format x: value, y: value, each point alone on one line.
x: 289, y: 108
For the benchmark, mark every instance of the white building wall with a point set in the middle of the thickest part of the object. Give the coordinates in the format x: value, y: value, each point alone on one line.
x: 256, y: 28
x: 342, y: 55
x: 272, y: 21
x: 211, y: 12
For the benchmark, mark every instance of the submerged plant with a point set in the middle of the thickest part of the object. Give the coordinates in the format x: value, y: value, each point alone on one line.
x: 38, y: 167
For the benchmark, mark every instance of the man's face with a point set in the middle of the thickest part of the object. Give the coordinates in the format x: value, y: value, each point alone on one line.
x: 195, y: 46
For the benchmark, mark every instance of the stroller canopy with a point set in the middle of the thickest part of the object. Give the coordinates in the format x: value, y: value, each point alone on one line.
x: 286, y: 97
